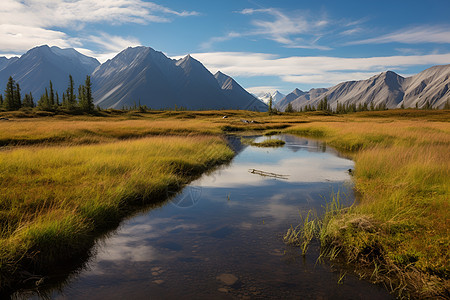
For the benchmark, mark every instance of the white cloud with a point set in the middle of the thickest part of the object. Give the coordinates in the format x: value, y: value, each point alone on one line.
x: 292, y: 31
x: 414, y: 35
x: 29, y: 23
x: 63, y: 13
x: 20, y: 37
x: 256, y: 90
x: 231, y: 35
x: 312, y: 69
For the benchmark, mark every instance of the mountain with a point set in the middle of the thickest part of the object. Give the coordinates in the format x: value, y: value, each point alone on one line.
x: 290, y: 97
x: 143, y: 75
x: 237, y: 95
x: 265, y: 96
x: 431, y: 85
x: 38, y: 66
x: 4, y: 62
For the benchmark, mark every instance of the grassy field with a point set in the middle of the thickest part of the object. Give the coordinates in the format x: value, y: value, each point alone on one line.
x: 399, y: 233
x: 64, y: 178
x: 56, y: 199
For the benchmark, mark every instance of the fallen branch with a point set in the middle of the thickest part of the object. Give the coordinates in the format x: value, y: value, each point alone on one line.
x: 268, y: 174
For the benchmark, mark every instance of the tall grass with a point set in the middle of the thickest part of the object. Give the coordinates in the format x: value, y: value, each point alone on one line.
x: 399, y: 232
x: 55, y: 199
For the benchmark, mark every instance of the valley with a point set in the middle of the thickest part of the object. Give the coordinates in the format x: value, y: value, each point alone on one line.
x: 121, y: 162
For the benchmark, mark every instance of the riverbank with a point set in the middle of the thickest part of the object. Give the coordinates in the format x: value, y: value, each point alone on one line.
x: 398, y: 233
x: 57, y: 199
x: 66, y: 178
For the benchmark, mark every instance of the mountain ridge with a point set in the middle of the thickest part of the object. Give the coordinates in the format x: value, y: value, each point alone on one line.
x: 431, y: 85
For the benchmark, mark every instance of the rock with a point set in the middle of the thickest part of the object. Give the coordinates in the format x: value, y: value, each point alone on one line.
x: 155, y: 269
x: 155, y: 273
x: 223, y: 290
x: 227, y: 279
x: 159, y: 281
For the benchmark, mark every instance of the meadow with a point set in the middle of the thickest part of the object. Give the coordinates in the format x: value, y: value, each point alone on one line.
x: 65, y: 178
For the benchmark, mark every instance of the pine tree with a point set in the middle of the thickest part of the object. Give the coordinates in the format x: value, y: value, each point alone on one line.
x: 289, y: 108
x: 1, y: 101
x: 88, y: 95
x: 9, y: 94
x: 17, y: 98
x: 28, y: 101
x: 71, y: 102
x: 82, y: 97
x: 446, y: 106
x: 270, y: 105
x: 51, y: 95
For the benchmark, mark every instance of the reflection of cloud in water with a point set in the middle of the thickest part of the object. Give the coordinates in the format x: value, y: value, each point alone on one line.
x: 133, y: 242
x: 311, y: 168
x: 276, y: 209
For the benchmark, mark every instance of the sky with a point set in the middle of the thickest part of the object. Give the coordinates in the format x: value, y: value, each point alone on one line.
x: 264, y: 45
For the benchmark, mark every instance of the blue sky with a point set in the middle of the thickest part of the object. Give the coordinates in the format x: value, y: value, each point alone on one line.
x: 264, y: 45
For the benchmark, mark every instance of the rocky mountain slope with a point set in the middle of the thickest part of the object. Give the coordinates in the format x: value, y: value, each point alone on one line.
x: 431, y: 85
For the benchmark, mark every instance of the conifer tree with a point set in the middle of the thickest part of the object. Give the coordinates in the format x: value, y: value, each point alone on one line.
x: 1, y: 101
x: 289, y: 108
x: 446, y: 106
x: 70, y: 94
x: 28, y: 101
x: 51, y: 95
x: 82, y: 97
x: 17, y: 98
x: 270, y: 105
x: 9, y: 94
x: 89, y: 101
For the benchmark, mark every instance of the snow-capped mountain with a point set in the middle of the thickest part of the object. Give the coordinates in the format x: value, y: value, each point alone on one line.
x: 38, y: 66
x: 265, y: 96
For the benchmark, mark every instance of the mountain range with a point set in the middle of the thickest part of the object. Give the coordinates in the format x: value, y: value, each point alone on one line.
x: 141, y: 75
x: 38, y: 66
x: 431, y: 85
x: 138, y: 75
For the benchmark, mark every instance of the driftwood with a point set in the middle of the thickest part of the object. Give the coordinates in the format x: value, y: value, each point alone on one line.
x: 268, y: 174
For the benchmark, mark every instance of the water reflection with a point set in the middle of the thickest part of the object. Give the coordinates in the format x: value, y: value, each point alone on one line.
x: 234, y: 228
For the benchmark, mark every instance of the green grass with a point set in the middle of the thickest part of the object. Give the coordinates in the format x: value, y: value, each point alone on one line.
x: 65, y: 178
x: 399, y: 232
x: 55, y: 200
x: 269, y: 143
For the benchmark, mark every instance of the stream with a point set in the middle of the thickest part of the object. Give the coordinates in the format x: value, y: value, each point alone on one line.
x: 221, y: 237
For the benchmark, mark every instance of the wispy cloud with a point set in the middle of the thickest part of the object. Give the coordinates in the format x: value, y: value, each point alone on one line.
x: 109, y: 44
x: 413, y: 35
x: 262, y: 89
x: 28, y: 23
x: 231, y: 35
x: 312, y: 69
x: 291, y: 31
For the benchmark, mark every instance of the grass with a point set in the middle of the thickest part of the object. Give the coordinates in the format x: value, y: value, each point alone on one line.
x: 399, y: 231
x: 268, y: 143
x: 64, y: 178
x: 56, y: 199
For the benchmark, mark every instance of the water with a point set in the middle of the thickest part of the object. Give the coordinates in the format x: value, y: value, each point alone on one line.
x: 228, y: 222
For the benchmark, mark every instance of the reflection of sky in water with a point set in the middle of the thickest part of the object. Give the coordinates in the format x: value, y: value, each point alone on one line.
x: 235, y: 226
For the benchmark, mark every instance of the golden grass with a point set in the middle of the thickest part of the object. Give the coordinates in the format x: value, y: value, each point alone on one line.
x: 402, y: 170
x: 54, y: 199
x: 56, y: 194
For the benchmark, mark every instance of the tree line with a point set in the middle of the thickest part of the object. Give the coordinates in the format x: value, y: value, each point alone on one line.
x: 49, y: 100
